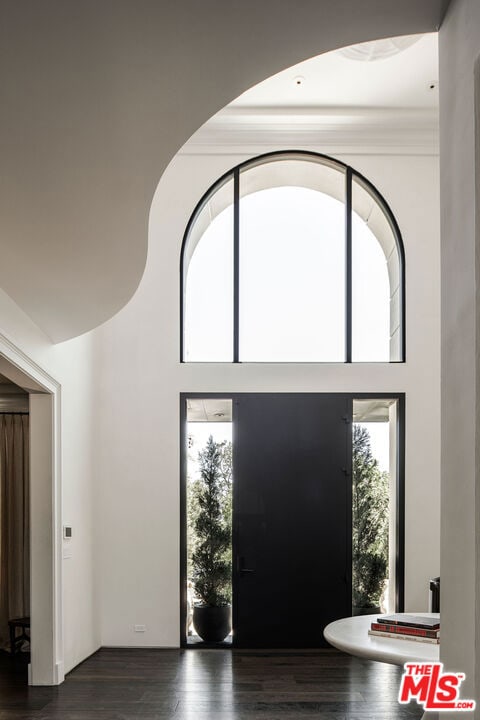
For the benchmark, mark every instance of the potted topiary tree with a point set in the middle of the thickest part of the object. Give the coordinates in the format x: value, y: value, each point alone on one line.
x: 370, y: 492
x: 211, y: 556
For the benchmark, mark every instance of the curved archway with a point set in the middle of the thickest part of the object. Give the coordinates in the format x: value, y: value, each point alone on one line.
x: 83, y: 158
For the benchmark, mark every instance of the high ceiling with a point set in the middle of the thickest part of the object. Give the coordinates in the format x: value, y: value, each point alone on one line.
x: 403, y: 80
x: 333, y: 101
x: 97, y: 97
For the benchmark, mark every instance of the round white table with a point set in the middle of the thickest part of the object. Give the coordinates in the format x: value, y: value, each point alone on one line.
x: 351, y: 636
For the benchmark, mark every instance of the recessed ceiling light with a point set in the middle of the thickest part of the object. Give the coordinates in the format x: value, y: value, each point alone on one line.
x: 298, y: 80
x: 218, y: 414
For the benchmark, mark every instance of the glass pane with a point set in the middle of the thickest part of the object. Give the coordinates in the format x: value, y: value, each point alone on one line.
x: 374, y: 461
x: 209, y: 491
x: 292, y: 262
x: 376, y: 292
x: 208, y: 265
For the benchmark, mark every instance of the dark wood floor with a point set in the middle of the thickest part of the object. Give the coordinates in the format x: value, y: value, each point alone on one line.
x: 209, y: 685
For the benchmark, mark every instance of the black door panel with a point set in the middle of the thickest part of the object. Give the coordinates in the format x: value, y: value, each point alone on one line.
x: 292, y: 517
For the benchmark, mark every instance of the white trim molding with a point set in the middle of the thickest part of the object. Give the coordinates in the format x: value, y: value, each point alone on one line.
x: 375, y: 130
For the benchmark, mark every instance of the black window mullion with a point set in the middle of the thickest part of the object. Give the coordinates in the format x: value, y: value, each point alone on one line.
x: 348, y: 265
x: 236, y: 265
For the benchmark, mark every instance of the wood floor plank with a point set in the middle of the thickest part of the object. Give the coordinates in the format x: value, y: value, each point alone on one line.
x: 207, y: 684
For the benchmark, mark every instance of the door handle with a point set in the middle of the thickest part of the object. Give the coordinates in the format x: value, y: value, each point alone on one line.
x: 241, y: 566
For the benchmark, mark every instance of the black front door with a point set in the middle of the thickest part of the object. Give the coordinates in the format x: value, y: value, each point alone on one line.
x: 291, y: 517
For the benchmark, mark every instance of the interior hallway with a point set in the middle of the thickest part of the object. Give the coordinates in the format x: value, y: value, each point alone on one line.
x: 133, y: 684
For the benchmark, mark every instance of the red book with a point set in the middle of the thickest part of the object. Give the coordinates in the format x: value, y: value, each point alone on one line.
x: 402, y: 636
x: 405, y: 630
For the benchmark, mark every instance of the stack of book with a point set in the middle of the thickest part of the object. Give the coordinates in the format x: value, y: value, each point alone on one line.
x: 408, y: 627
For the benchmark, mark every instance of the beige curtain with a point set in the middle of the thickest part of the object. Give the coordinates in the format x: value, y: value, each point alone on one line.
x: 14, y: 521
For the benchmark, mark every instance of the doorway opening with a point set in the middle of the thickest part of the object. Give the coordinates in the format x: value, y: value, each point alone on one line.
x: 14, y: 529
x: 45, y: 569
x: 292, y: 472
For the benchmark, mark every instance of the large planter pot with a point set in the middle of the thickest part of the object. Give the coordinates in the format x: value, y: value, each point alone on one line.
x: 375, y: 610
x: 212, y: 623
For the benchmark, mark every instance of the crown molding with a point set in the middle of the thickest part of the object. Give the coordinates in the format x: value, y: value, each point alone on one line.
x: 377, y: 130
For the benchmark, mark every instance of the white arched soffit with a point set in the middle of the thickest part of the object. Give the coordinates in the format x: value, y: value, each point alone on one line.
x: 98, y: 98
x: 292, y: 256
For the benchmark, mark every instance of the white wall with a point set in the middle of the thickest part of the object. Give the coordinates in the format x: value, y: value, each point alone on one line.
x: 70, y: 365
x: 137, y: 358
x: 460, y: 544
x: 73, y: 365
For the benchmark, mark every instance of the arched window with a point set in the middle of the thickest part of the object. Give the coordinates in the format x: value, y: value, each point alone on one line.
x: 292, y: 257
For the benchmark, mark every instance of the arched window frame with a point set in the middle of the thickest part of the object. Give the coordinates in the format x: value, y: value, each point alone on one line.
x: 351, y: 176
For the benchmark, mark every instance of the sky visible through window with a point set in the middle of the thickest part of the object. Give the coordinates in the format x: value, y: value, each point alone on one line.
x: 292, y: 283
x: 292, y: 276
